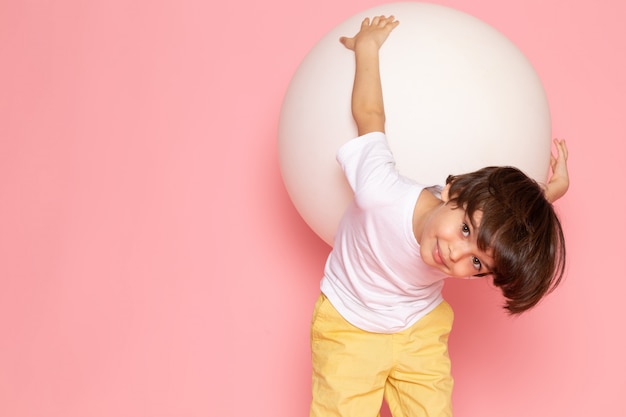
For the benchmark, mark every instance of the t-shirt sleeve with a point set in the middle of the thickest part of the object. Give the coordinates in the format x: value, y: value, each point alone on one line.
x: 368, y: 164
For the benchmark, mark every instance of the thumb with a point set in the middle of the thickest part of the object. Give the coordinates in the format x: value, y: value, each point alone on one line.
x: 347, y: 42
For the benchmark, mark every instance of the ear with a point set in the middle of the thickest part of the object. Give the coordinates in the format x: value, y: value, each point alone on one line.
x: 445, y: 193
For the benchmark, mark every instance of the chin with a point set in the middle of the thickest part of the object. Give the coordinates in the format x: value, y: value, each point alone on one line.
x: 432, y: 264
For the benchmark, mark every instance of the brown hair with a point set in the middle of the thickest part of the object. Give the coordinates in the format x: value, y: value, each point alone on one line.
x: 520, y: 226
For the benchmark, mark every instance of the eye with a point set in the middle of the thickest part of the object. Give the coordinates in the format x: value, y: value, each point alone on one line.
x: 465, y: 230
x: 476, y: 263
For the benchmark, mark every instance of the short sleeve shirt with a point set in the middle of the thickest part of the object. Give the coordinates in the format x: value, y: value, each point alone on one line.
x: 374, y: 275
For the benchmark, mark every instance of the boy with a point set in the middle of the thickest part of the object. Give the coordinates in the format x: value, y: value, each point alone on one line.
x: 381, y: 326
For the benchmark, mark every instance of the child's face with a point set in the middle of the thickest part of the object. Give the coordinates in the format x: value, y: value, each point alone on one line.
x: 449, y: 243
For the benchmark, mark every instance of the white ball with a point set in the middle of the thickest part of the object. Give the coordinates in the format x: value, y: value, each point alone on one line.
x: 458, y: 96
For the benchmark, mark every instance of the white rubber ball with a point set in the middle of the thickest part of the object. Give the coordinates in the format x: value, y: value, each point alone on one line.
x: 458, y: 96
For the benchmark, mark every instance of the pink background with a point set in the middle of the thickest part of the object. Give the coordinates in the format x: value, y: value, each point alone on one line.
x: 151, y: 263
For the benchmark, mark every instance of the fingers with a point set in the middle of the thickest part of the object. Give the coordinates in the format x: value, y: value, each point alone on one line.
x: 377, y: 28
x: 561, y: 147
x: 389, y: 20
x: 380, y: 21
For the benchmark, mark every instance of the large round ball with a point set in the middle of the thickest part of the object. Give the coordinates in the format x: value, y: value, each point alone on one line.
x: 458, y: 96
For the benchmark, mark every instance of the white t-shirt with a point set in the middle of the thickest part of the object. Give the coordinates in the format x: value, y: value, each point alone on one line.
x: 374, y: 276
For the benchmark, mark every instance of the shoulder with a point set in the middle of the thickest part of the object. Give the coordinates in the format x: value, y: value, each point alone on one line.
x: 369, y: 141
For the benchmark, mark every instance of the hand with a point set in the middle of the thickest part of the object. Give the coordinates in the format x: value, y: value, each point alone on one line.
x: 373, y: 33
x: 559, y: 182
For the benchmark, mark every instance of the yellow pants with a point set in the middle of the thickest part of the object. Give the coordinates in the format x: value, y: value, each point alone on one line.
x: 353, y: 369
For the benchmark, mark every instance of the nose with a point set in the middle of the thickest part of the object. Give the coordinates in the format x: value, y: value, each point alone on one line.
x: 459, y: 249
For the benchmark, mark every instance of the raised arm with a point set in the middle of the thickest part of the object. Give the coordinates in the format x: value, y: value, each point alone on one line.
x: 559, y: 181
x: 367, y: 96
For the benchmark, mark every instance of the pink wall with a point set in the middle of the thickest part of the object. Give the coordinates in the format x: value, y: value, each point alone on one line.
x: 151, y: 263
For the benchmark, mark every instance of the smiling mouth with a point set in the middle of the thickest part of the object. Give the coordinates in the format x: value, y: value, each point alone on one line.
x: 437, y: 255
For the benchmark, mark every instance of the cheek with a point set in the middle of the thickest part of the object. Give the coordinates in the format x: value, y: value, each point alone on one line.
x: 463, y: 272
x: 437, y: 225
x: 426, y: 254
x: 465, y: 269
x: 448, y: 230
